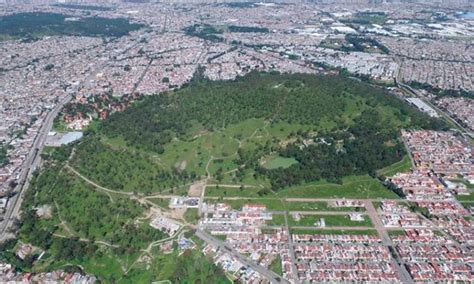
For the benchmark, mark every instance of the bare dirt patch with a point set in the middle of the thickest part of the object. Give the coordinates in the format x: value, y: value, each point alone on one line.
x: 177, y: 213
x: 181, y: 165
x: 195, y: 190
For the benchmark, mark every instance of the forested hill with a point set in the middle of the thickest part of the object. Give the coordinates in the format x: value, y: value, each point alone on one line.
x: 361, y: 122
x: 299, y: 98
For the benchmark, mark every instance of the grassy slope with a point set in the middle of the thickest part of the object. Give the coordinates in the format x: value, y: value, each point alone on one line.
x: 402, y: 166
x: 352, y: 187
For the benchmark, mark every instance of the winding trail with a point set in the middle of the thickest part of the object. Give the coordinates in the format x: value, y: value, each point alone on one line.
x: 96, y: 185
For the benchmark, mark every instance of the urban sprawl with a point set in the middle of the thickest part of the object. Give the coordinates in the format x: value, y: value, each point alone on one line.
x: 420, y: 52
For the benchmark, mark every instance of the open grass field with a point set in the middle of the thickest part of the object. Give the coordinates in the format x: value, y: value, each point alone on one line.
x: 332, y: 232
x: 191, y: 215
x: 318, y: 206
x: 356, y: 187
x: 275, y: 162
x: 277, y: 220
x: 466, y: 198
x: 331, y: 221
x: 162, y: 202
x: 402, y: 166
x: 275, y: 266
x: 363, y: 187
x: 272, y: 204
x: 223, y: 191
x: 279, y: 204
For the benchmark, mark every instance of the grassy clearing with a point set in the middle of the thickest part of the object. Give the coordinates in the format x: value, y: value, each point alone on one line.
x: 277, y: 220
x: 357, y: 187
x: 272, y: 204
x: 332, y: 232
x: 162, y: 202
x: 352, y: 187
x: 275, y: 162
x: 331, y: 221
x: 221, y: 237
x: 275, y: 266
x: 191, y: 215
x: 402, y: 166
x: 223, y: 191
x: 318, y: 206
x: 466, y: 198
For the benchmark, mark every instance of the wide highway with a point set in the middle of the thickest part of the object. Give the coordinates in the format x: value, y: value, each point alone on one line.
x: 28, y: 167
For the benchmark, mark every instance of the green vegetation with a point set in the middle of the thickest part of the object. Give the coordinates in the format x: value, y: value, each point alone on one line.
x: 396, y: 233
x: 275, y: 266
x: 355, y: 43
x: 318, y: 206
x: 130, y: 171
x: 191, y: 215
x: 206, y: 32
x: 442, y: 92
x: 402, y: 166
x: 192, y: 267
x: 272, y: 162
x: 330, y: 220
x: 3, y: 155
x: 222, y: 191
x: 162, y: 202
x: 103, y: 233
x: 351, y: 187
x: 368, y: 18
x: 84, y: 7
x: 221, y: 237
x: 364, y: 44
x: 417, y: 209
x: 277, y: 220
x: 37, y: 25
x: 271, y: 204
x: 245, y: 29
x: 332, y: 126
x: 79, y: 210
x: 276, y: 204
x: 465, y: 198
x: 333, y: 232
x: 59, y: 125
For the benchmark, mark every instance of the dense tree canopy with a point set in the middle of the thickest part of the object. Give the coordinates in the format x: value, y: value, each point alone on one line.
x: 47, y: 24
x: 368, y: 119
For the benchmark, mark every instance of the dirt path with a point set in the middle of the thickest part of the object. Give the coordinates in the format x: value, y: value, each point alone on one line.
x: 96, y: 185
x: 63, y: 223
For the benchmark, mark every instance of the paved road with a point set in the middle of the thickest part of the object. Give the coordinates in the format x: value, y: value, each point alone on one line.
x: 465, y: 132
x: 33, y: 160
x: 343, y: 213
x: 291, y: 248
x: 402, y: 271
x: 28, y: 167
x: 268, y: 274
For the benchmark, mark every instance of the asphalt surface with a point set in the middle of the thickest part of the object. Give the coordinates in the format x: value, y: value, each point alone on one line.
x: 402, y: 271
x: 268, y: 274
x: 33, y: 161
x: 465, y: 132
x: 291, y: 248
x: 29, y: 166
